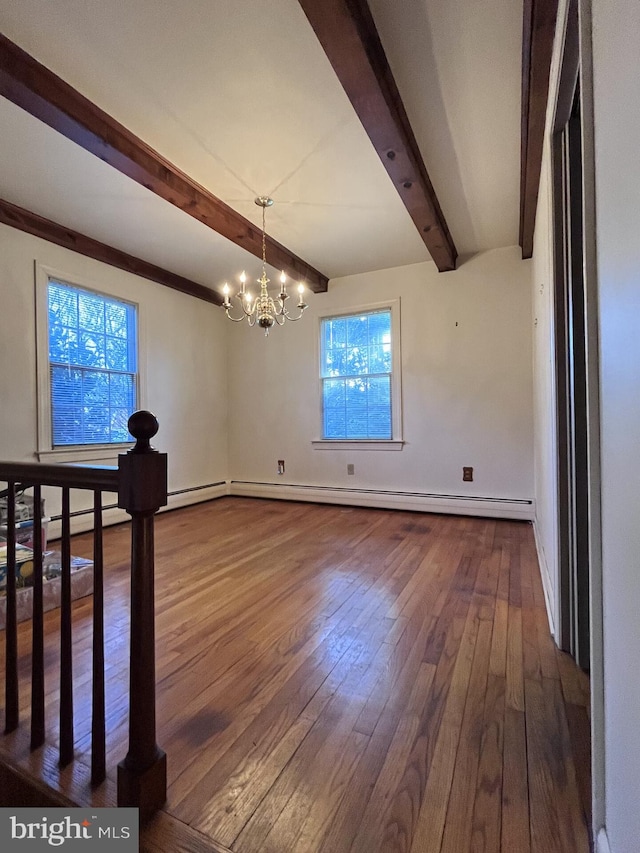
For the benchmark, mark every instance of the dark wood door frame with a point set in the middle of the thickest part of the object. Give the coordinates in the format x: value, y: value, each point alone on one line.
x: 571, y: 355
x: 576, y: 71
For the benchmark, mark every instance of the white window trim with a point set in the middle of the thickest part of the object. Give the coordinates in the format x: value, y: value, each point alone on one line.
x: 397, y: 441
x: 357, y: 444
x: 105, y: 453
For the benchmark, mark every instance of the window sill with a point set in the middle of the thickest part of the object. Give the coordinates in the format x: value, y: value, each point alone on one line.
x: 363, y: 444
x: 101, y: 453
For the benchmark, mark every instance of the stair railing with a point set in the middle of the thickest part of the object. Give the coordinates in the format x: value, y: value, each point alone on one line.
x: 140, y: 481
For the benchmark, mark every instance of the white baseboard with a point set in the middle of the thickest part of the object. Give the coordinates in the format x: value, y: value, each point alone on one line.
x: 187, y: 497
x: 114, y: 515
x: 602, y: 841
x: 547, y: 586
x: 521, y: 510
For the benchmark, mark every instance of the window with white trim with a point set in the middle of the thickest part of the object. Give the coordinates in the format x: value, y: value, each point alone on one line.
x: 360, y: 386
x: 92, y: 353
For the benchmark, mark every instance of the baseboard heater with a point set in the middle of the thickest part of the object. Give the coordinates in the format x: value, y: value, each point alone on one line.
x: 82, y: 519
x: 513, y: 508
x: 484, y: 506
x: 79, y: 512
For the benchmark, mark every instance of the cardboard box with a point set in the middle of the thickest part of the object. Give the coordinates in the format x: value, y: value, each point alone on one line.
x: 24, y: 533
x: 81, y: 585
x: 24, y: 550
x: 24, y: 564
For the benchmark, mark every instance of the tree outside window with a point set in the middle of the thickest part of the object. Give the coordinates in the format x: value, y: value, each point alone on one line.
x: 92, y: 366
x: 356, y: 371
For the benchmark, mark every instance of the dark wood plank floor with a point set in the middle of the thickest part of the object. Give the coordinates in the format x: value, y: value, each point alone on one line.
x: 340, y: 680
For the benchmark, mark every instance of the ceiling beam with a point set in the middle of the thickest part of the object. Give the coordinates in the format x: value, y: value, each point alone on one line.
x: 31, y: 223
x: 44, y: 95
x: 538, y: 32
x: 347, y: 32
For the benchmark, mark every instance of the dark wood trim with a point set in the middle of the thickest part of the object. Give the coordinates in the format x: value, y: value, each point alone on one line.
x: 562, y: 342
x: 38, y: 692
x: 569, y: 69
x: 347, y: 32
x: 538, y: 32
x: 20, y: 788
x: 579, y: 403
x: 141, y: 483
x: 31, y: 223
x: 12, y: 699
x: 562, y: 387
x: 66, y: 638
x: 142, y: 776
x: 524, y: 102
x: 102, y: 477
x: 574, y: 478
x: 44, y: 95
x: 98, y: 711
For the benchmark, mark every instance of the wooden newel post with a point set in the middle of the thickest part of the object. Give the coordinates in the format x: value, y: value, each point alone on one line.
x: 142, y: 776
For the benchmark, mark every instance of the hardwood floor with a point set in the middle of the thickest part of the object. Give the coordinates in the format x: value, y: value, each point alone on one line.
x: 336, y: 679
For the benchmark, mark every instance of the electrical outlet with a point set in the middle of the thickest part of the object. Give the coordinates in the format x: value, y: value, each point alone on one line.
x: 467, y: 475
x: 280, y: 466
x: 351, y: 469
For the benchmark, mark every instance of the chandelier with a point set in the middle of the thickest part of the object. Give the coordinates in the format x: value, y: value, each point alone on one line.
x: 263, y: 311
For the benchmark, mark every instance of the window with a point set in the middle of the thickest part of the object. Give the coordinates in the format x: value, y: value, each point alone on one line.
x: 92, y: 364
x: 359, y: 386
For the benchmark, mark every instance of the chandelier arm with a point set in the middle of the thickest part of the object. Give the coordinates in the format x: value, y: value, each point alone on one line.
x: 235, y: 319
x: 288, y: 316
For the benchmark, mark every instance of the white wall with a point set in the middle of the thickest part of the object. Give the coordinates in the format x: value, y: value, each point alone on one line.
x: 467, y: 386
x: 183, y: 359
x: 616, y: 47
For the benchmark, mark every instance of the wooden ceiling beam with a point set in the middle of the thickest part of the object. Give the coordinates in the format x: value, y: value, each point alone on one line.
x: 538, y: 32
x: 44, y: 95
x: 347, y: 32
x: 31, y: 223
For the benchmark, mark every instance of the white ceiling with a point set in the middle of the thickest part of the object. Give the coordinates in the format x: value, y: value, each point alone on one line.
x: 240, y: 96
